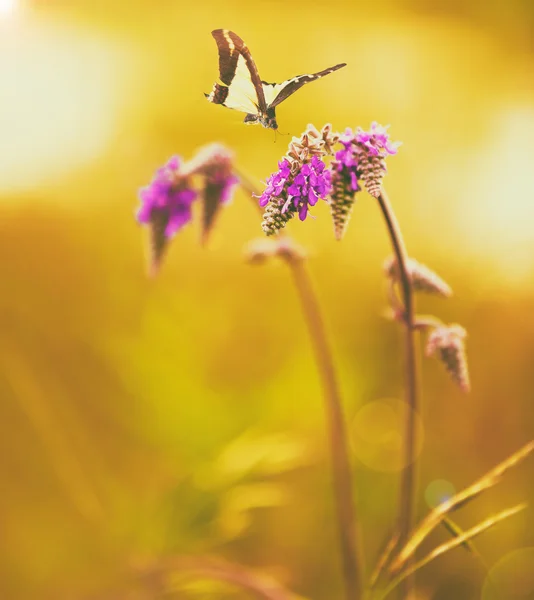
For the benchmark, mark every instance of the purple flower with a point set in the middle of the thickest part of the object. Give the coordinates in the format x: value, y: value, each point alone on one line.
x: 167, y: 199
x: 346, y: 164
x: 360, y: 161
x: 376, y: 140
x: 295, y: 192
x: 276, y: 182
x: 345, y: 183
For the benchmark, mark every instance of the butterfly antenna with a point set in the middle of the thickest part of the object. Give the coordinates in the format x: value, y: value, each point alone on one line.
x: 276, y: 131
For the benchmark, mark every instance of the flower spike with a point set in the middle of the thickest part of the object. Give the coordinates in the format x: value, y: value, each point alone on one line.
x: 165, y: 207
x: 423, y: 279
x: 215, y: 164
x: 376, y: 146
x: 345, y: 185
x: 301, y: 181
x: 447, y: 343
x: 361, y: 160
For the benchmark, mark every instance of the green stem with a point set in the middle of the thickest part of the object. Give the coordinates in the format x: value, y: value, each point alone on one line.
x: 408, y: 486
x: 349, y: 540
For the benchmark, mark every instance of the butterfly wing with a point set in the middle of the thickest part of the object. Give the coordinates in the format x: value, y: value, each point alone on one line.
x: 242, y: 88
x: 277, y: 92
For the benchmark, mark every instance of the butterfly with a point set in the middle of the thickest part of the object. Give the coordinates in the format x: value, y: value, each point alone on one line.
x: 242, y: 88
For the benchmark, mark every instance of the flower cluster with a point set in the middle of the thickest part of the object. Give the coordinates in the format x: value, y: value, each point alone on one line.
x: 303, y: 178
x: 361, y: 159
x: 377, y: 140
x: 345, y: 185
x: 168, y: 198
x: 293, y: 189
x: 166, y: 203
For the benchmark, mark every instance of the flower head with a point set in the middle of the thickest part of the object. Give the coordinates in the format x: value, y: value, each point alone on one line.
x: 302, y: 179
x: 376, y: 140
x: 447, y: 342
x: 361, y: 160
x: 276, y: 182
x: 165, y: 207
x: 345, y: 185
x: 167, y: 198
x: 215, y: 164
x: 293, y: 189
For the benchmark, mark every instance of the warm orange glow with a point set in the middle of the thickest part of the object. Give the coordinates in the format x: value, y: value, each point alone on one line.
x: 58, y: 106
x: 141, y: 419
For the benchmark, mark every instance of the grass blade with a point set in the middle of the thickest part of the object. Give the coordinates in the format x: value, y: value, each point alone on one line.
x: 461, y: 540
x: 383, y: 560
x: 437, y: 516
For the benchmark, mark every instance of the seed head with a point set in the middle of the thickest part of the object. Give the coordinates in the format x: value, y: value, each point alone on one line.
x: 447, y: 342
x: 423, y: 279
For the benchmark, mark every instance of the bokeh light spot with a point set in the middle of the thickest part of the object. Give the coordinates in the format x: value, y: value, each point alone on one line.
x: 512, y: 577
x: 438, y: 491
x: 7, y: 7
x: 59, y: 102
x: 377, y: 434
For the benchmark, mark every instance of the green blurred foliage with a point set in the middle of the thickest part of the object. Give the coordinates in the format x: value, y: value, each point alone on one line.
x: 140, y: 418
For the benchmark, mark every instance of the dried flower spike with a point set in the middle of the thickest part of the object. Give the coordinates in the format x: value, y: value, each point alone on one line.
x: 447, y: 343
x: 165, y: 207
x: 215, y: 164
x: 422, y: 278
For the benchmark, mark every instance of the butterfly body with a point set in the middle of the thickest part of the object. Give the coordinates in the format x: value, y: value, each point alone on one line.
x: 242, y: 88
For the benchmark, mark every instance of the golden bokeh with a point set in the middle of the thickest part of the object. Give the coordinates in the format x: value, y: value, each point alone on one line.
x: 140, y: 419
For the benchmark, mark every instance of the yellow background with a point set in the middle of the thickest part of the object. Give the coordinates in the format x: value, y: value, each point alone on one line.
x: 141, y: 418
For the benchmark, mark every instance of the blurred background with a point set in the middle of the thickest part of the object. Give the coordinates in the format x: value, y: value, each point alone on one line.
x: 143, y: 419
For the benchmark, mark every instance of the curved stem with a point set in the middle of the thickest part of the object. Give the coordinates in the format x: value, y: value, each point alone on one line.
x: 344, y: 502
x: 408, y: 479
x: 349, y: 537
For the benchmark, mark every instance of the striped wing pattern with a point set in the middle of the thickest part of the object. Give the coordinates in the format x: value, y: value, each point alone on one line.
x: 278, y: 92
x: 242, y: 88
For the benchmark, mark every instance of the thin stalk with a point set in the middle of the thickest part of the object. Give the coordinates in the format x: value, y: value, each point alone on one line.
x: 344, y: 501
x: 451, y: 545
x: 408, y: 486
x: 349, y: 537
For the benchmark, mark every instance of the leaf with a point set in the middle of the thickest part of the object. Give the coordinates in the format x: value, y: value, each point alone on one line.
x: 466, y: 537
x: 456, y: 531
x: 383, y: 560
x: 435, y: 517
